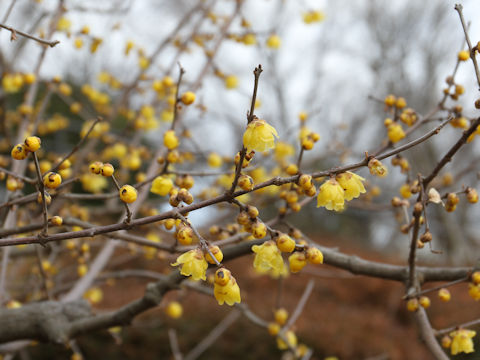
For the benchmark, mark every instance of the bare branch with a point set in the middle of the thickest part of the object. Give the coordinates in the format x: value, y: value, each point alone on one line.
x: 31, y: 37
x: 428, y: 336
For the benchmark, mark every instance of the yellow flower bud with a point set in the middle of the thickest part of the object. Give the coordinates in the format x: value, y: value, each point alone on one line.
x: 128, y: 193
x: 52, y: 180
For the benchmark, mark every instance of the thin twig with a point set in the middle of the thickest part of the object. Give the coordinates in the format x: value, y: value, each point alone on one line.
x: 17, y: 176
x: 79, y: 144
x: 181, y: 72
x: 459, y: 9
x: 172, y: 337
x: 213, y: 336
x: 300, y: 305
x: 175, y: 111
x: 41, y: 188
x: 435, y: 288
x: 448, y: 156
x: 203, y: 242
x: 412, y: 276
x: 43, y: 275
x: 31, y: 37
x: 127, y: 208
x: 453, y: 328
x: 250, y: 116
x: 9, y: 11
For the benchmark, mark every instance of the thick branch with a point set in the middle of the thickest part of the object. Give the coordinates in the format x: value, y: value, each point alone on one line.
x: 426, y: 332
x: 47, y: 321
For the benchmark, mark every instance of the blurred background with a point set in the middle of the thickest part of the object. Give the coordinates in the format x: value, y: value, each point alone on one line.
x: 337, y: 68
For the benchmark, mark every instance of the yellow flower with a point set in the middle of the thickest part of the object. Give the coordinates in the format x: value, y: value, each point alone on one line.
x: 225, y: 288
x: 313, y: 16
x: 395, y: 132
x: 231, y: 82
x: 268, y: 259
x: 214, y: 160
x: 170, y: 140
x: 459, y: 122
x: 463, y: 55
x: 193, y: 263
x: 12, y: 83
x: 462, y: 341
x: 274, y: 41
x: 259, y: 136
x: 297, y: 261
x: 143, y: 62
x: 474, y: 291
x: 249, y: 39
x: 331, y: 195
x: 174, y: 309
x: 351, y: 184
x: 444, y: 294
x: 161, y: 185
x: 94, y: 295
x: 405, y: 191
x: 63, y: 24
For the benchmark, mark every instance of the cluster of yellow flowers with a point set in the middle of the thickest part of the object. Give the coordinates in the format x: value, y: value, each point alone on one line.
x: 268, y: 256
x: 21, y: 151
x: 474, y: 286
x: 397, y: 108
x: 194, y: 263
x: 345, y: 186
x: 459, y: 341
x: 13, y: 83
x: 313, y: 16
x: 286, y: 338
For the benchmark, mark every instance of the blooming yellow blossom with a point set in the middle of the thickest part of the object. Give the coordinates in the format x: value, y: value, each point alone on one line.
x: 268, y: 259
x: 352, y: 184
x: 259, y: 136
x: 193, y: 263
x: 462, y: 341
x: 225, y: 288
x: 331, y: 195
x: 161, y: 185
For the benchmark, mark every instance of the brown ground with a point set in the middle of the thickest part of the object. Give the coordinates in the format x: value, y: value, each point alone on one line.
x: 351, y: 317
